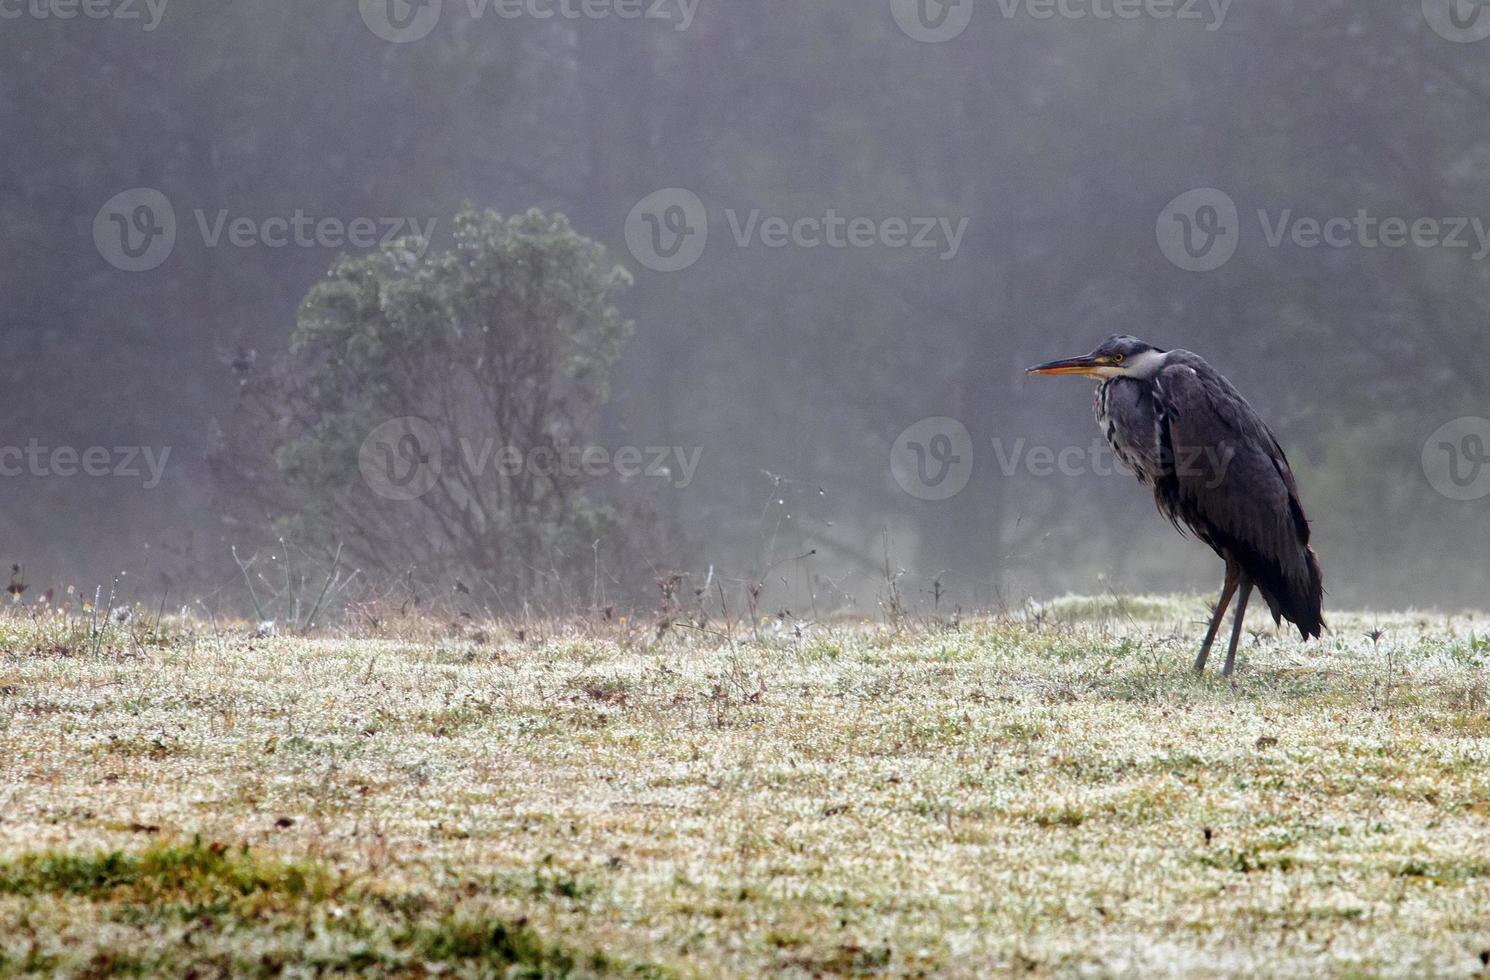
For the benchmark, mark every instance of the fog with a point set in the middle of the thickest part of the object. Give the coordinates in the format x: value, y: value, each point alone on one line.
x: 848, y: 228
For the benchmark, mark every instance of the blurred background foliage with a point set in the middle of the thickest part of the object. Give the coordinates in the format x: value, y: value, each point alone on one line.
x: 508, y: 338
x: 793, y: 369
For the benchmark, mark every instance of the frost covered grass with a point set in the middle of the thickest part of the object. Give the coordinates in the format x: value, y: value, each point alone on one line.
x: 1050, y: 794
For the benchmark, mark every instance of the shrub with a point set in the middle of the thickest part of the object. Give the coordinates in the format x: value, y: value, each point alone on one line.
x: 427, y: 400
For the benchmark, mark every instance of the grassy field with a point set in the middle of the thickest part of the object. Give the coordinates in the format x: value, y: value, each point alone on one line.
x: 1053, y: 794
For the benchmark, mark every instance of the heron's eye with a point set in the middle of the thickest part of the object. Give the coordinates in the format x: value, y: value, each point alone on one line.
x: 1118, y: 358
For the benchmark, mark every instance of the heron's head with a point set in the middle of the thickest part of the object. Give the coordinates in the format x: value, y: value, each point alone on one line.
x: 1118, y: 356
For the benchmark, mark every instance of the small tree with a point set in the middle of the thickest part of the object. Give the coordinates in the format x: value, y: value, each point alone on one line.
x: 433, y: 403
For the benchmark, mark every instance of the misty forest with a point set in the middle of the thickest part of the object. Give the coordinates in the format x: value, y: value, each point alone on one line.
x: 789, y: 371
x: 559, y: 487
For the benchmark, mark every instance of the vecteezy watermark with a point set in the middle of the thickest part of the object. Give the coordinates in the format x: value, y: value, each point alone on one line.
x: 136, y: 230
x: 1456, y: 458
x: 933, y: 460
x: 404, y: 459
x: 1200, y: 229
x: 402, y: 21
x: 668, y: 230
x: 145, y: 463
x: 1461, y: 21
x: 401, y: 459
x: 1206, y: 465
x: 935, y: 21
x: 932, y: 21
x: 148, y: 13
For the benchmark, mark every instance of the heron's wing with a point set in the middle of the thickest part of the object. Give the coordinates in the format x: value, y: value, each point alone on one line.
x: 1230, y: 481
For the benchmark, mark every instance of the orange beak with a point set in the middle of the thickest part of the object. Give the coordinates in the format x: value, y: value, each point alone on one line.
x: 1086, y: 364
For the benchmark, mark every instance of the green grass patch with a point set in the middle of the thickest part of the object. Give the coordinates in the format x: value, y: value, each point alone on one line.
x: 167, y: 876
x: 297, y: 915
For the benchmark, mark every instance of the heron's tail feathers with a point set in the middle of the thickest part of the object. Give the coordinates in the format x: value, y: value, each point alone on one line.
x: 1308, y: 611
x: 1293, y: 593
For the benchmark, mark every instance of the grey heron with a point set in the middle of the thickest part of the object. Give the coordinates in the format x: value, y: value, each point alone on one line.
x: 1215, y: 468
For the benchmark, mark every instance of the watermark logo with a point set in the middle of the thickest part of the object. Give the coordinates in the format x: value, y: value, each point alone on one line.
x: 148, y: 12
x: 1198, y: 230
x: 300, y: 230
x: 1460, y: 21
x: 936, y: 21
x: 1456, y: 459
x: 400, y: 21
x: 401, y: 459
x: 403, y: 21
x: 1366, y: 230
x: 135, y: 230
x: 933, y: 459
x: 674, y: 464
x: 1203, y: 465
x: 144, y: 463
x: 932, y: 21
x: 668, y: 230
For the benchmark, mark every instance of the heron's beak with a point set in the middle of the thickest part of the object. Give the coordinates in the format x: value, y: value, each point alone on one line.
x: 1086, y: 364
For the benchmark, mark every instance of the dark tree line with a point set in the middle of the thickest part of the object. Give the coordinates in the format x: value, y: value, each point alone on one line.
x: 792, y: 369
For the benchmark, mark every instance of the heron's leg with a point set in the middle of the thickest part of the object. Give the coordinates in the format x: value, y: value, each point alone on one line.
x: 1228, y: 589
x: 1236, y: 627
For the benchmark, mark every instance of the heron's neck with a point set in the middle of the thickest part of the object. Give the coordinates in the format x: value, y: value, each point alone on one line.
x: 1145, y: 366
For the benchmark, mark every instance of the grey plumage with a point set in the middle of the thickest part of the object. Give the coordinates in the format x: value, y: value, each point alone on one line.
x: 1215, y: 469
